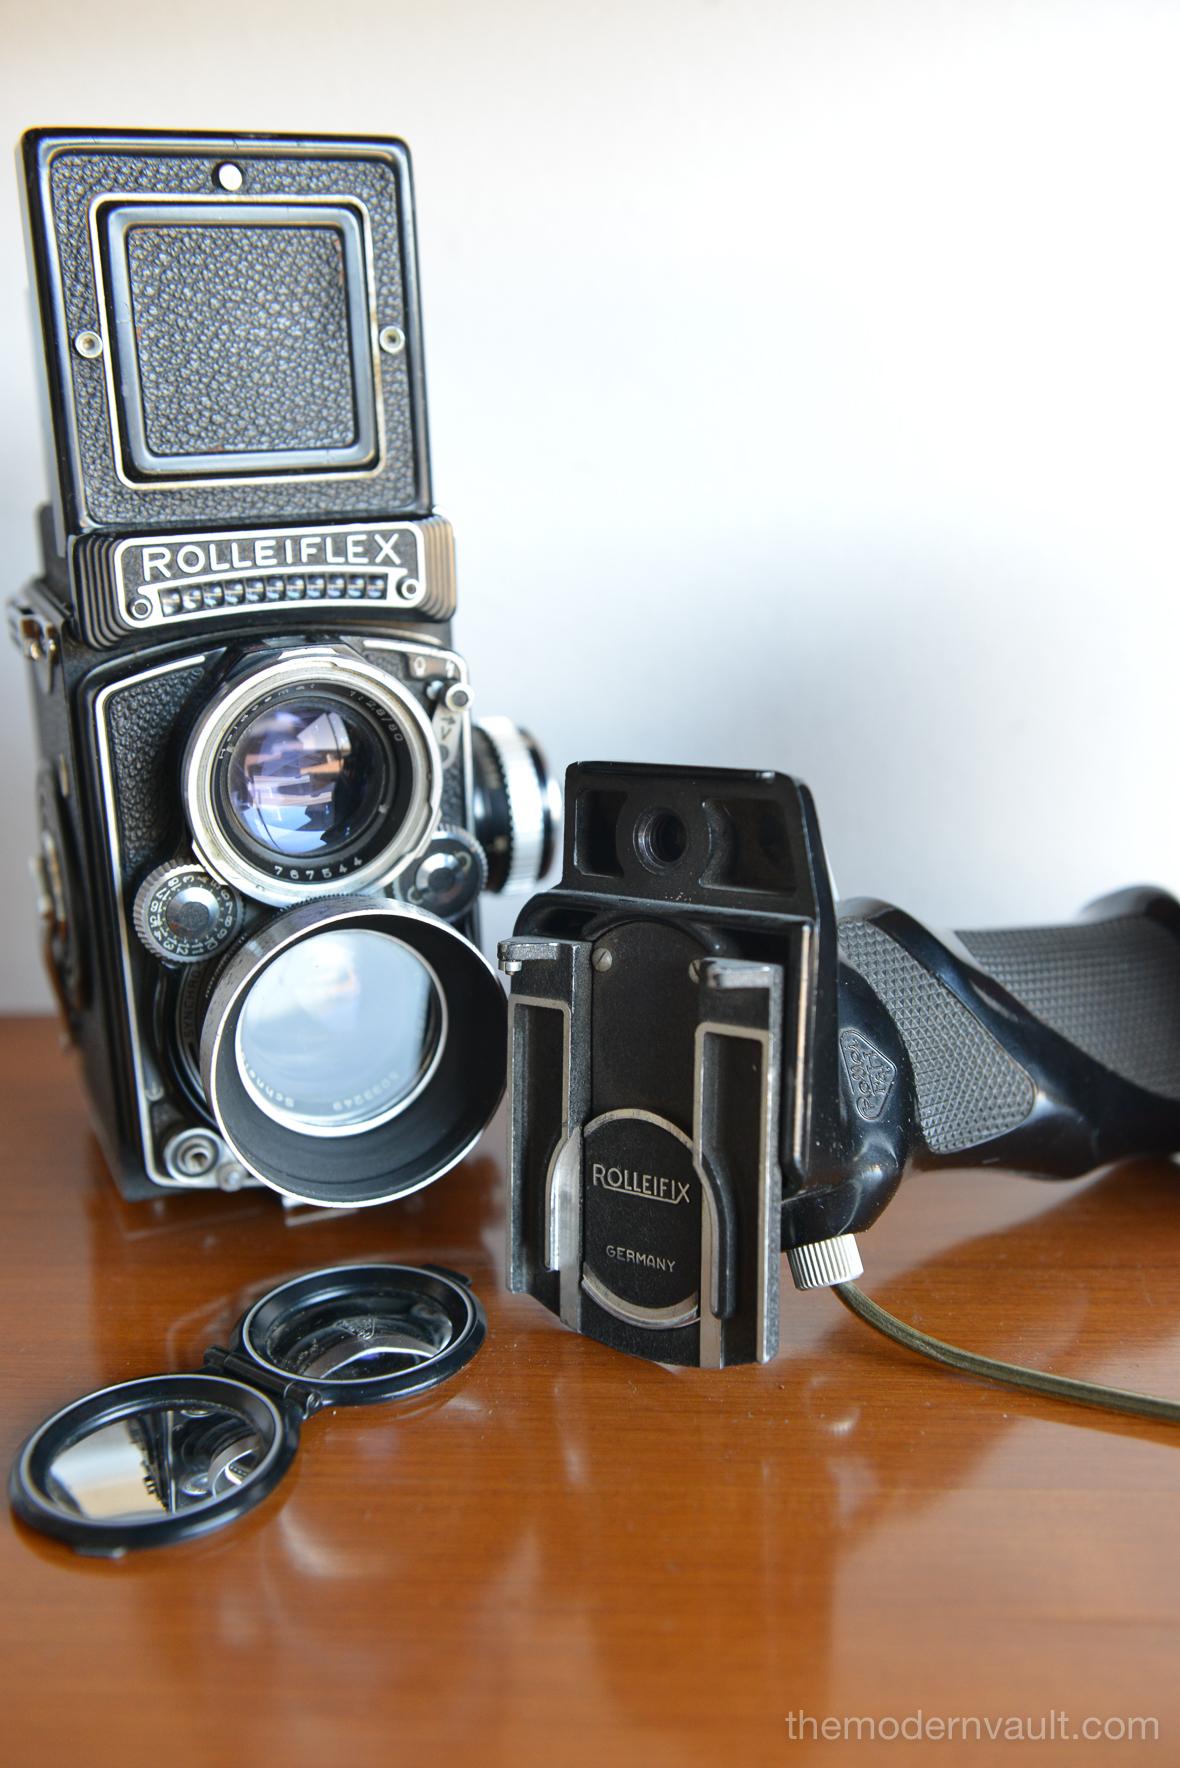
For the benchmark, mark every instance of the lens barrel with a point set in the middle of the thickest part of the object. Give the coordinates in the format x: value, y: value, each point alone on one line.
x: 517, y: 804
x: 353, y: 1050
x: 312, y: 774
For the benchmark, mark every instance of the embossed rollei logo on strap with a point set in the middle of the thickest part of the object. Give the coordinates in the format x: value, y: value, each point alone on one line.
x: 870, y: 1075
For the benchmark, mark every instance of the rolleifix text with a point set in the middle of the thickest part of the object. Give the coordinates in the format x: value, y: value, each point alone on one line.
x: 636, y: 1184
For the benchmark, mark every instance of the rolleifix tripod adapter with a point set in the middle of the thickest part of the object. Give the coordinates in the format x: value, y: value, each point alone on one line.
x: 708, y: 1062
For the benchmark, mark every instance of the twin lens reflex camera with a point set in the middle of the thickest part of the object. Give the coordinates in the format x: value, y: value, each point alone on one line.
x: 266, y: 813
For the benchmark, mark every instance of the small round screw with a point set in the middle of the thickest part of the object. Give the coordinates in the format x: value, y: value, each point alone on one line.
x: 457, y: 697
x: 140, y: 608
x: 228, y: 175
x: 409, y: 589
x: 602, y: 959
x: 88, y: 344
x: 392, y: 339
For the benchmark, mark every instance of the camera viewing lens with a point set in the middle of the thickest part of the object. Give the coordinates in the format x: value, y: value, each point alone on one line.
x: 306, y: 777
x: 340, y: 1031
x: 312, y: 773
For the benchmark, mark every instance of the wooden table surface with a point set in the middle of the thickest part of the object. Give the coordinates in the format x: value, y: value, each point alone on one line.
x: 566, y: 1555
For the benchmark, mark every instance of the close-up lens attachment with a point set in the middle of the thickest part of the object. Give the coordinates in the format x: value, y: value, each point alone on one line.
x: 352, y: 1050
x: 315, y: 773
x: 167, y: 1457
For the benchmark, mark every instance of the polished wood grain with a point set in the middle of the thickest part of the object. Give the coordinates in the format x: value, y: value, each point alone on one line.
x: 570, y: 1556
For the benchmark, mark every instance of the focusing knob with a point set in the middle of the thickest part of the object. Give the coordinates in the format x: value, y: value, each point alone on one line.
x: 517, y: 804
x: 183, y: 915
x: 450, y: 874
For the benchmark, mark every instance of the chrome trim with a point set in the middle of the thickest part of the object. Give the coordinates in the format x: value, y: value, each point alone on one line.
x: 677, y: 1313
x: 680, y: 1313
x: 350, y: 219
x: 307, y: 666
x: 110, y: 819
x: 769, y: 1172
x: 527, y: 787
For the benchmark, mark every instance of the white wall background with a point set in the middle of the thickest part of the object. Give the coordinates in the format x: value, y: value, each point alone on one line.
x: 805, y: 390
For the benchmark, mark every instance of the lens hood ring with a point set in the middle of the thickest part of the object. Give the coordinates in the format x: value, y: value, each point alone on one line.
x: 433, y: 1128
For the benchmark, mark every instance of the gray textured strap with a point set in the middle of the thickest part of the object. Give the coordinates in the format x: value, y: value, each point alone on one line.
x: 969, y: 1088
x: 1111, y: 987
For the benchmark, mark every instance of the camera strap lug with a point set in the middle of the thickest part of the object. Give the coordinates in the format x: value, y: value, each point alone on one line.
x: 36, y: 640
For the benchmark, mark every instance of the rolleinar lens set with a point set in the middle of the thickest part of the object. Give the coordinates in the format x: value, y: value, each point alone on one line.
x: 267, y: 816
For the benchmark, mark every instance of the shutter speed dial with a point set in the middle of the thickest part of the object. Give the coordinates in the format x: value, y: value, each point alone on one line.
x: 183, y: 915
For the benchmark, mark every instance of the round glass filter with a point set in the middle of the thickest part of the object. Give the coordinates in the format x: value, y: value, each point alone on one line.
x: 172, y: 1456
x: 361, y: 1333
x: 152, y: 1461
x: 340, y: 1032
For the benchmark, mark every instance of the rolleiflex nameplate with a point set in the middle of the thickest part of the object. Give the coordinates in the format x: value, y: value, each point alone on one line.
x: 231, y: 329
x: 159, y: 1460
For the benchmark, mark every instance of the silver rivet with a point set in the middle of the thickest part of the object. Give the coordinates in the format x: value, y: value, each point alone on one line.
x: 602, y: 959
x: 409, y: 589
x: 228, y: 175
x: 140, y: 608
x: 457, y: 697
x: 88, y: 344
x: 392, y: 340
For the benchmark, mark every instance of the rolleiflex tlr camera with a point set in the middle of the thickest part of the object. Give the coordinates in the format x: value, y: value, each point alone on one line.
x: 708, y: 1063
x: 266, y: 815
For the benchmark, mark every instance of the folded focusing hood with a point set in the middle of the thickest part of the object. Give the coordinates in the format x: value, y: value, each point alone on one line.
x: 229, y: 321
